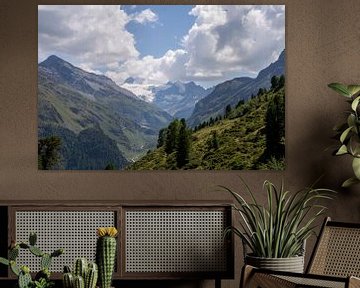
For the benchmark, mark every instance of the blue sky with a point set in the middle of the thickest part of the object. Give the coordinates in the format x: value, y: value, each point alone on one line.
x: 172, y: 25
x: 207, y: 44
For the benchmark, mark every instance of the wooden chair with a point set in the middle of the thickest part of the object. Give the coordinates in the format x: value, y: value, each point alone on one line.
x: 334, y: 263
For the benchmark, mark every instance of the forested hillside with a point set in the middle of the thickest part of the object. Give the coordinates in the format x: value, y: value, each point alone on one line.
x: 250, y: 135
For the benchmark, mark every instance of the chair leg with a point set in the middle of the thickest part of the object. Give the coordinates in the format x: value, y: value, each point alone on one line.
x: 246, y: 274
x: 217, y: 283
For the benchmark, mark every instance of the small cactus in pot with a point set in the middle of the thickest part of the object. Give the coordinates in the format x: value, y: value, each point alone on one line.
x: 85, y: 275
x: 106, y: 254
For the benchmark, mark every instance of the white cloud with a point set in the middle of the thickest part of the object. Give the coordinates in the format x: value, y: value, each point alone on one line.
x: 89, y: 36
x: 145, y: 16
x: 153, y: 70
x: 224, y: 42
x: 234, y: 39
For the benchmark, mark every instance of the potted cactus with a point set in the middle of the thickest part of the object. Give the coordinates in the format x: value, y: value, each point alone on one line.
x: 106, y: 254
x: 42, y: 278
x: 84, y: 275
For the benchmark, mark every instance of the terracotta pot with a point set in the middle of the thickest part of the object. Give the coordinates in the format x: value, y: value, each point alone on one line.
x: 291, y: 264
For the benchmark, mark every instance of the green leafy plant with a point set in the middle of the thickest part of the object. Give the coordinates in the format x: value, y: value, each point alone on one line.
x: 43, y: 283
x: 349, y: 132
x: 279, y: 229
x: 42, y: 278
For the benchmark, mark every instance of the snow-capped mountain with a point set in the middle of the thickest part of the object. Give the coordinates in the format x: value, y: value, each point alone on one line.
x: 176, y: 98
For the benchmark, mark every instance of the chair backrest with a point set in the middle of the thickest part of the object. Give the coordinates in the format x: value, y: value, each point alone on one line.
x: 337, y: 251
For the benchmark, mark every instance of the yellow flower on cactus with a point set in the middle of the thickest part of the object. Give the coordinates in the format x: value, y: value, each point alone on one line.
x: 107, y: 231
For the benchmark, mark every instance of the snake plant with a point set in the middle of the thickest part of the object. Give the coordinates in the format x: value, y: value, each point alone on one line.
x: 349, y: 132
x: 280, y: 228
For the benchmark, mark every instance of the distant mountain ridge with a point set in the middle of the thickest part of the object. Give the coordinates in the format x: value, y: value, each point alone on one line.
x: 73, y: 103
x: 178, y: 98
x: 87, y: 82
x: 232, y: 91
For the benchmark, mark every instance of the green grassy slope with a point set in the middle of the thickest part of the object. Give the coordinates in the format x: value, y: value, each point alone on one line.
x: 235, y: 143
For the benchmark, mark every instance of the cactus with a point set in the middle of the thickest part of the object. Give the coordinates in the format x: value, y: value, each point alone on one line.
x: 4, y: 261
x: 45, y: 261
x: 24, y: 245
x: 91, y: 276
x: 44, y: 273
x: 79, y: 282
x: 13, y: 253
x: 68, y: 280
x: 67, y: 269
x: 80, y: 267
x: 36, y: 251
x: 32, y: 238
x: 87, y: 272
x: 14, y: 268
x: 23, y: 273
x: 105, y: 255
x: 57, y: 252
x: 24, y: 280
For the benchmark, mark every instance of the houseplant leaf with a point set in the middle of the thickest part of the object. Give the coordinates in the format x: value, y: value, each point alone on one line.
x: 355, y: 103
x: 356, y: 167
x: 340, y: 88
x: 342, y: 150
x: 351, y: 120
x: 345, y: 134
x: 349, y: 182
x: 353, y: 89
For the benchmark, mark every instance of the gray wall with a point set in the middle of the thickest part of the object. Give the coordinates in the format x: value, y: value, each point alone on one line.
x: 322, y: 46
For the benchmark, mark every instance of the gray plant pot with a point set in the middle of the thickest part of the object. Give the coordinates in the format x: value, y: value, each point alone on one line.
x: 291, y: 264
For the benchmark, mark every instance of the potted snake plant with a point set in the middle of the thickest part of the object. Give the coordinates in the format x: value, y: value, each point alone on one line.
x: 349, y: 132
x: 274, y: 234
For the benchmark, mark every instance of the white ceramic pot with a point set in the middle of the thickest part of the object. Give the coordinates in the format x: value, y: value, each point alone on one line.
x: 291, y: 264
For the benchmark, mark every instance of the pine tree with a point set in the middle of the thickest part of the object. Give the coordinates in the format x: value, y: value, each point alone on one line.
x: 275, y: 82
x: 214, y: 141
x: 282, y: 81
x: 171, y: 136
x: 275, y: 127
x: 227, y: 110
x: 183, y: 145
x: 162, y: 137
x: 211, y: 121
x: 110, y: 166
x: 49, y: 152
x: 240, y: 103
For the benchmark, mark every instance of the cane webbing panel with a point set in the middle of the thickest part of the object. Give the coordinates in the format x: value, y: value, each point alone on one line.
x: 313, y: 282
x: 338, y: 252
x: 266, y: 281
x: 175, y: 241
x: 75, y: 231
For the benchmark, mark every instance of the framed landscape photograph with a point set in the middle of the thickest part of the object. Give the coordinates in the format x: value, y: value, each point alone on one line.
x: 161, y: 87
